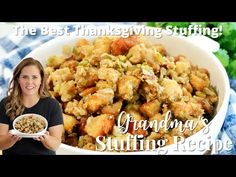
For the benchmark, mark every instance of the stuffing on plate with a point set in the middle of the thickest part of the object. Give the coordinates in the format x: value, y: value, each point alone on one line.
x: 30, y: 124
x: 95, y: 81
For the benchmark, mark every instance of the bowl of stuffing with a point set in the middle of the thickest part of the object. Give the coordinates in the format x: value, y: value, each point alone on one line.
x: 29, y: 125
x: 135, y: 93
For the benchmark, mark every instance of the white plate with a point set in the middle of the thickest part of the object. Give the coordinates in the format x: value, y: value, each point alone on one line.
x: 26, y: 135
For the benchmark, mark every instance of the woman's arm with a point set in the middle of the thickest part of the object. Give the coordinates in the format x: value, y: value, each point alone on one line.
x: 52, y: 139
x: 7, y: 140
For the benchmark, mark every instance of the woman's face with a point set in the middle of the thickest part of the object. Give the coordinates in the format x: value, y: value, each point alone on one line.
x: 30, y: 80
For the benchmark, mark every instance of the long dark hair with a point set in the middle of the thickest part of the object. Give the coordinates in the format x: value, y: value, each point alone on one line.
x: 14, y: 105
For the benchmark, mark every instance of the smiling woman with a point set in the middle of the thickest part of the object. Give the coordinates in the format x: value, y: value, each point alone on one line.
x: 28, y: 94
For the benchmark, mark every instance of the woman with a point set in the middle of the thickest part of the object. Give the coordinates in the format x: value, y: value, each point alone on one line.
x: 28, y: 94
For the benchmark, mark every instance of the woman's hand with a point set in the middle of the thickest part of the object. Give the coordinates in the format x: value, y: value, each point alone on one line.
x: 52, y: 138
x: 14, y: 138
x: 43, y: 137
x: 7, y: 139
